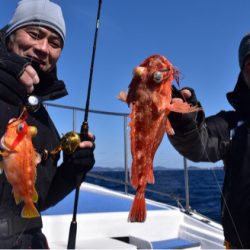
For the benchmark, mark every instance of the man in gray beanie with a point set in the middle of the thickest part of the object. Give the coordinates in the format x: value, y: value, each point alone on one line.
x: 224, y: 136
x: 30, y: 46
x: 39, y: 13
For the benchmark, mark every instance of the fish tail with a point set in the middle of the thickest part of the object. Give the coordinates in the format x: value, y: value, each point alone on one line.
x: 29, y: 211
x: 138, y: 210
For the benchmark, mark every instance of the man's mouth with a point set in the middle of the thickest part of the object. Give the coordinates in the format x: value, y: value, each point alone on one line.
x: 38, y: 61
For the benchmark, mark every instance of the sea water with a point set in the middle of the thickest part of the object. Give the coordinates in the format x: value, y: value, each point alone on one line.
x: 204, y: 188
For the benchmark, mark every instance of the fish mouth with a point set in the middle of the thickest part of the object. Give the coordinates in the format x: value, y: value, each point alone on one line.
x: 4, y: 146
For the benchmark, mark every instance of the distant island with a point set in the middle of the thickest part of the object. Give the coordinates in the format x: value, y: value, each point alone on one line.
x: 156, y: 168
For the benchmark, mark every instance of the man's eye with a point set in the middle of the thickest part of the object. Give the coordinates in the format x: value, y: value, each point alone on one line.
x: 55, y: 44
x: 34, y: 34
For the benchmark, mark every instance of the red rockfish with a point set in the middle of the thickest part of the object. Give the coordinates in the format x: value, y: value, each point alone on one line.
x: 149, y: 97
x: 19, y: 163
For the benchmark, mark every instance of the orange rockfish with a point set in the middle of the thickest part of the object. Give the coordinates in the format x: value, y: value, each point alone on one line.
x: 149, y: 96
x: 19, y: 163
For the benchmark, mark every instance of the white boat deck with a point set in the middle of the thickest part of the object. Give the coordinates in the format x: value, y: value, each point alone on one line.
x: 102, y: 224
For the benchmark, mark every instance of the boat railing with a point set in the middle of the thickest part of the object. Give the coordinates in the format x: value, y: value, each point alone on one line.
x: 126, y: 182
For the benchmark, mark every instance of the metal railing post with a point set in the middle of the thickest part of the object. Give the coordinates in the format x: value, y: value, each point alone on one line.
x: 187, y: 206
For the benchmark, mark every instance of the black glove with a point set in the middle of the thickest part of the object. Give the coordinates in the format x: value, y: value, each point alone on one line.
x: 81, y: 161
x: 11, y: 62
x: 185, y: 122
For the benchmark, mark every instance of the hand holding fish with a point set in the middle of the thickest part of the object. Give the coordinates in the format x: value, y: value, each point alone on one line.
x: 184, y: 122
x: 185, y: 94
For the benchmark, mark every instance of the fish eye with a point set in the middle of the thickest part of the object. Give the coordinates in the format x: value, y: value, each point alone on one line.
x: 19, y: 127
x: 157, y: 76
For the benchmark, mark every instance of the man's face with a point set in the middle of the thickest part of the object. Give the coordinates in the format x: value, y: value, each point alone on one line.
x: 40, y: 44
x: 246, y: 72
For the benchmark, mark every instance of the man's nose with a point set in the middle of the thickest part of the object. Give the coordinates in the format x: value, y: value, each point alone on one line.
x: 42, y: 46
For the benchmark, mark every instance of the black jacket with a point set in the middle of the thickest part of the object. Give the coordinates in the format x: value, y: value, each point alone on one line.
x: 226, y: 136
x: 53, y: 183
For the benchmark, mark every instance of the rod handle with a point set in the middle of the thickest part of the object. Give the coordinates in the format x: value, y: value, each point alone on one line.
x: 72, y: 235
x: 84, y: 131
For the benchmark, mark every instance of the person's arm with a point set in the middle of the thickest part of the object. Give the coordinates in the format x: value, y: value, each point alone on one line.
x: 199, y: 139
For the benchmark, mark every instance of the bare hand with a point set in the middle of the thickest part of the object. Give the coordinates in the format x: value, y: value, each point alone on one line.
x: 28, y: 78
x: 88, y: 144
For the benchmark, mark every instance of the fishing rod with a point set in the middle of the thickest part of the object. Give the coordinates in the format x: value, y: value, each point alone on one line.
x: 84, y: 136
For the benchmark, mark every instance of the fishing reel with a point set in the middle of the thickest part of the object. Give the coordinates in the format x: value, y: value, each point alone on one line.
x: 69, y: 142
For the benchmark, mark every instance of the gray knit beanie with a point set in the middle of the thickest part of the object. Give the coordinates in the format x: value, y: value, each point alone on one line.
x: 244, y: 49
x: 37, y: 12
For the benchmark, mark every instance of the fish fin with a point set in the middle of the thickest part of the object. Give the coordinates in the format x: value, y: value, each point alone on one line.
x: 134, y: 181
x: 169, y: 129
x: 4, y: 153
x: 122, y: 96
x: 151, y: 178
x: 138, y: 210
x: 29, y: 211
x: 34, y: 196
x: 183, y: 107
x: 17, y: 198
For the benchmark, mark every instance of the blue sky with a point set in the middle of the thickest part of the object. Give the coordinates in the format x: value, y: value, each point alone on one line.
x: 200, y: 37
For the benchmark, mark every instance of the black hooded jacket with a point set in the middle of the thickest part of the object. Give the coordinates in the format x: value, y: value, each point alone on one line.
x: 226, y: 136
x: 53, y: 183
